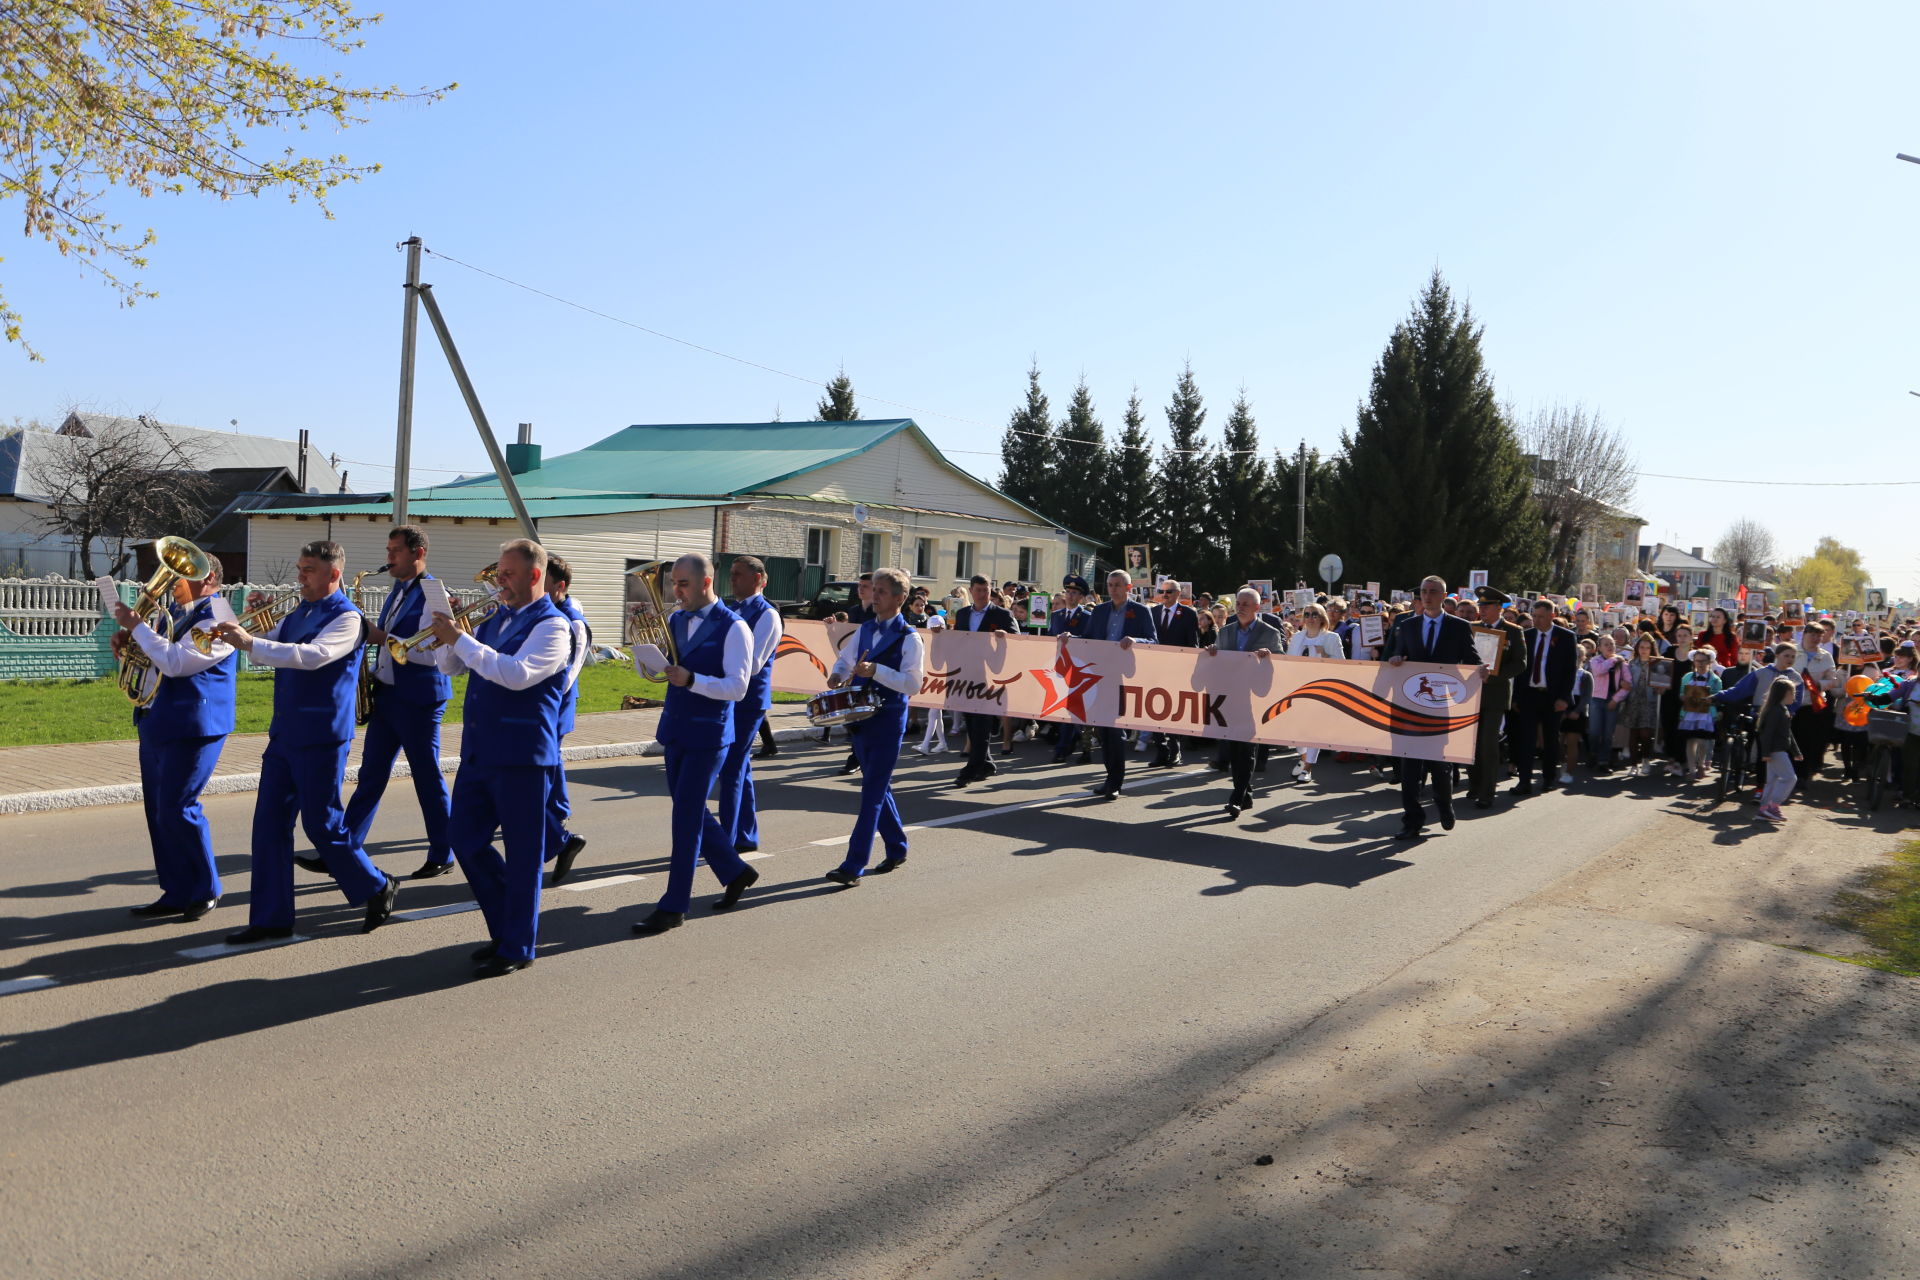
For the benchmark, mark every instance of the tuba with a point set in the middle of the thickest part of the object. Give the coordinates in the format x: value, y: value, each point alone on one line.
x: 465, y: 617
x: 369, y: 653
x: 180, y: 561
x: 647, y: 610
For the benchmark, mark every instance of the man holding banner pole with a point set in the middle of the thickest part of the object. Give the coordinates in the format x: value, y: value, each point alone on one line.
x: 1429, y: 635
x: 1119, y: 619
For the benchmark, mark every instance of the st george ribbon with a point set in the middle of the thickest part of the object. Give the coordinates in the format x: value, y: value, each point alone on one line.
x: 1423, y: 710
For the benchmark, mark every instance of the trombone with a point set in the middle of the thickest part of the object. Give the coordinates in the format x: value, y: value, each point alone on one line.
x: 646, y: 621
x: 466, y: 617
x: 180, y: 561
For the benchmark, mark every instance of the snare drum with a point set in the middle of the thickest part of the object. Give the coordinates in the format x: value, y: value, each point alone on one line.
x: 838, y: 707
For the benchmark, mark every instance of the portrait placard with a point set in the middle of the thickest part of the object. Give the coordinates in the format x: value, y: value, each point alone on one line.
x: 1660, y: 674
x: 1139, y: 565
x: 1301, y: 597
x: 1476, y: 579
x: 1589, y: 593
x: 1756, y: 604
x: 1371, y: 630
x: 1492, y: 644
x: 1634, y: 590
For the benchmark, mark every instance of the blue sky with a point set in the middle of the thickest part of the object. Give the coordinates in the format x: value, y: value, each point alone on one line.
x: 1686, y: 216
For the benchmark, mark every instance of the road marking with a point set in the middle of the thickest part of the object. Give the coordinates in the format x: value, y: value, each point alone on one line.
x: 228, y: 949
x: 1042, y: 802
x: 428, y: 913
x: 34, y: 982
x: 601, y: 882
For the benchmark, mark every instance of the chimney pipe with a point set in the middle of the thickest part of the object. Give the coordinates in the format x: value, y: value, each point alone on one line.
x: 526, y: 433
x: 1696, y: 553
x: 300, y: 470
x: 523, y: 455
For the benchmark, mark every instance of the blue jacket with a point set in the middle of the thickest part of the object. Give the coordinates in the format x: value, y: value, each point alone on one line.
x: 570, y: 701
x: 513, y: 726
x: 1138, y: 622
x: 196, y: 706
x: 315, y: 708
x: 1752, y: 688
x: 693, y: 720
x: 1069, y: 622
x: 421, y: 682
x: 759, y: 697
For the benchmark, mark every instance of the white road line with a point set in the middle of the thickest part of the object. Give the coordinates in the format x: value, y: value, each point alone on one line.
x: 601, y: 882
x: 428, y: 913
x: 34, y: 982
x: 1042, y: 802
x: 225, y: 949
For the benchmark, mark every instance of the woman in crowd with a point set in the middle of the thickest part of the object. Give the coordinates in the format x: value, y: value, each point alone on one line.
x: 1607, y: 673
x: 1773, y: 735
x: 1695, y: 731
x: 1669, y: 621
x: 1679, y: 653
x: 1208, y: 625
x: 1813, y: 722
x: 1314, y: 639
x: 1574, y: 725
x: 1640, y: 714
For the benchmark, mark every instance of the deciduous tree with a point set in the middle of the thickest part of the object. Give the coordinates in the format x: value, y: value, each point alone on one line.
x: 129, y: 482
x: 1745, y: 547
x: 1584, y: 474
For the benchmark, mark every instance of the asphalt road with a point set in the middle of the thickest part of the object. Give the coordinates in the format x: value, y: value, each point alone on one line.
x: 824, y: 1083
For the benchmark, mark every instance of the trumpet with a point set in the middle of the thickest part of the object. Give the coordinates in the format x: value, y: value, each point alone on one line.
x: 180, y: 561
x: 256, y: 621
x: 465, y: 617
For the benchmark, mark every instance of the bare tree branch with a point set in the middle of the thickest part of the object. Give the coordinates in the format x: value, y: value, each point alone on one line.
x: 1745, y: 547
x: 1586, y: 475
x: 129, y: 482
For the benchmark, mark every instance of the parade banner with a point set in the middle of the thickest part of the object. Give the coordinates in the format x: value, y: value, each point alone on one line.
x: 1422, y: 710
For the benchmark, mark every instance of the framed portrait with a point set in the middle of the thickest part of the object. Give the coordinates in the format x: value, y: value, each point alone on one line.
x: 1139, y: 563
x: 1611, y: 618
x: 1186, y: 593
x: 1402, y: 597
x: 1756, y: 603
x: 1634, y: 590
x: 1876, y: 599
x: 1371, y: 629
x: 1858, y: 649
x: 1359, y: 599
x: 1660, y: 674
x: 1699, y: 621
x: 1753, y: 633
x: 1373, y: 589
x: 1477, y: 579
x: 1492, y: 645
x: 1589, y: 593
x: 1300, y: 597
x: 1264, y: 586
x: 1792, y: 611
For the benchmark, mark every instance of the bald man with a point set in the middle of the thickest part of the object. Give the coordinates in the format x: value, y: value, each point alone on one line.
x: 715, y: 651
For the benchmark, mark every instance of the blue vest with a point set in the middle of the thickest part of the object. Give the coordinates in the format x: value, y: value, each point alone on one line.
x: 883, y: 644
x: 196, y: 706
x: 570, y: 702
x: 513, y: 726
x: 313, y: 708
x: 759, y: 683
x: 420, y: 681
x: 690, y: 719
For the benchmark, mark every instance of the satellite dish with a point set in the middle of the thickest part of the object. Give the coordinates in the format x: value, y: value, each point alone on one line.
x: 859, y: 513
x: 1330, y: 566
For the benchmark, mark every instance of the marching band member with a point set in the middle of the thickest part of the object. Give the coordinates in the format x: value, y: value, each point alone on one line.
x: 516, y: 661
x: 316, y: 653
x: 1120, y: 619
x: 739, y: 815
x: 696, y: 727
x: 887, y: 657
x: 408, y: 702
x: 181, y: 733
x: 563, y: 846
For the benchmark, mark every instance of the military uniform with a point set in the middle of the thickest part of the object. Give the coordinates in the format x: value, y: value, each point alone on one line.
x: 1496, y: 694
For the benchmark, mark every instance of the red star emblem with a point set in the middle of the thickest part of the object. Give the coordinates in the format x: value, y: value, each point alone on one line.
x: 1071, y: 690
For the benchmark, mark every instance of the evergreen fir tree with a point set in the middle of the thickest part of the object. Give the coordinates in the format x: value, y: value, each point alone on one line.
x: 1027, y: 457
x: 837, y: 405
x: 1122, y: 513
x: 1241, y: 522
x: 1081, y: 466
x: 1183, y: 490
x: 1278, y: 553
x: 1432, y: 478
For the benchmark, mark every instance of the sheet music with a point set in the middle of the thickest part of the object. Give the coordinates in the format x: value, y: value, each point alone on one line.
x: 222, y: 612
x: 434, y: 592
x: 648, y: 658
x: 108, y: 596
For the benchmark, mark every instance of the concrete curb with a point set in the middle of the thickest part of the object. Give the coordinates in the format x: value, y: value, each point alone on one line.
x: 231, y: 783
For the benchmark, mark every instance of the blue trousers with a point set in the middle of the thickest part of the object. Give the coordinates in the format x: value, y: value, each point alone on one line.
x: 303, y: 783
x: 739, y: 811
x: 172, y: 772
x: 398, y: 726
x: 876, y: 743
x: 697, y: 834
x: 512, y: 800
x: 559, y: 809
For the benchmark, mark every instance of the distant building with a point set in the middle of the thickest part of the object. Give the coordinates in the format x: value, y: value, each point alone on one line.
x: 818, y: 501
x: 1609, y: 549
x: 1688, y: 572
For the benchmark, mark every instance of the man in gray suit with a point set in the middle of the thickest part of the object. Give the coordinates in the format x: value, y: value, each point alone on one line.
x: 1245, y: 632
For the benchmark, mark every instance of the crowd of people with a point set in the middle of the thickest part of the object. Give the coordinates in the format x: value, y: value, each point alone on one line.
x: 1558, y: 695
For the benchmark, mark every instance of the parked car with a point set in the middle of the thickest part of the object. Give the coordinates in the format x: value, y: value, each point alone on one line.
x: 832, y: 598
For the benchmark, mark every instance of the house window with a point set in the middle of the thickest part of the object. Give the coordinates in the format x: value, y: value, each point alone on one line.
x: 923, y: 557
x: 873, y: 550
x: 964, y: 556
x: 1029, y: 564
x: 819, y: 546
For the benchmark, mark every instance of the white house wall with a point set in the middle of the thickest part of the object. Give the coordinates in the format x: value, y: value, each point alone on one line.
x: 597, y: 548
x: 772, y: 528
x: 901, y: 472
x: 455, y: 550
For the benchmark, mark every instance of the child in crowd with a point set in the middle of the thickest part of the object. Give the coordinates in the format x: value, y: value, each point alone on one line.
x: 1573, y: 726
x: 1608, y: 674
x: 1774, y: 735
x: 1641, y: 711
x: 1697, y: 714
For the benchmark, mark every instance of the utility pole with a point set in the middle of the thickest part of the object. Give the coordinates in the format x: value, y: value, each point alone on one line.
x: 501, y: 470
x: 403, y: 432
x: 1300, y: 516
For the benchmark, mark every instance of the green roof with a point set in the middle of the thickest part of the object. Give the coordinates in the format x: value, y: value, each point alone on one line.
x: 485, y: 508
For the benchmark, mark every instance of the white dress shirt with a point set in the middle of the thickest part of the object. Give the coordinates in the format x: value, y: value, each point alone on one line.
x: 732, y: 686
x: 580, y: 640
x: 383, y: 665
x: 902, y: 679
x: 542, y: 653
x: 766, y: 638
x: 336, y: 640
x: 178, y: 658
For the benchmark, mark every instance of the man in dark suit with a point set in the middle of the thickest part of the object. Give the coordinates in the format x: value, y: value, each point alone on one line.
x: 1541, y: 695
x: 1069, y: 620
x: 980, y: 615
x: 1429, y: 634
x: 1119, y: 619
x: 1496, y: 695
x: 1175, y: 624
x: 1245, y: 632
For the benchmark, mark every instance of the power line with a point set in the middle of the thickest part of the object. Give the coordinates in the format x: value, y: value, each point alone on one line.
x: 1802, y: 484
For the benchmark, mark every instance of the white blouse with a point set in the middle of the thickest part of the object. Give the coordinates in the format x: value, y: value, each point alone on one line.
x: 1325, y: 645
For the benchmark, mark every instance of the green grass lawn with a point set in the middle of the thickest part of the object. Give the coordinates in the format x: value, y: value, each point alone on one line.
x: 40, y: 713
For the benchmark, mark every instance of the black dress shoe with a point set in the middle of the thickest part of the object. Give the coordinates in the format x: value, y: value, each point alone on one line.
x: 767, y: 752
x: 1446, y: 818
x: 160, y: 908
x: 1522, y: 789
x: 841, y: 876
x: 1409, y: 833
x: 1233, y: 809
x: 195, y: 910
x: 487, y: 952
x: 853, y: 762
x: 1483, y: 804
x: 315, y: 865
x: 255, y: 933
x: 563, y: 863
x: 498, y: 968
x: 430, y: 870
x: 659, y: 922
x: 735, y: 887
x: 744, y: 847
x: 380, y: 905
x: 1086, y: 757
x: 891, y: 864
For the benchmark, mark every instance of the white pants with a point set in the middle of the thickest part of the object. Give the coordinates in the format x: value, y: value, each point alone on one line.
x: 1780, y: 779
